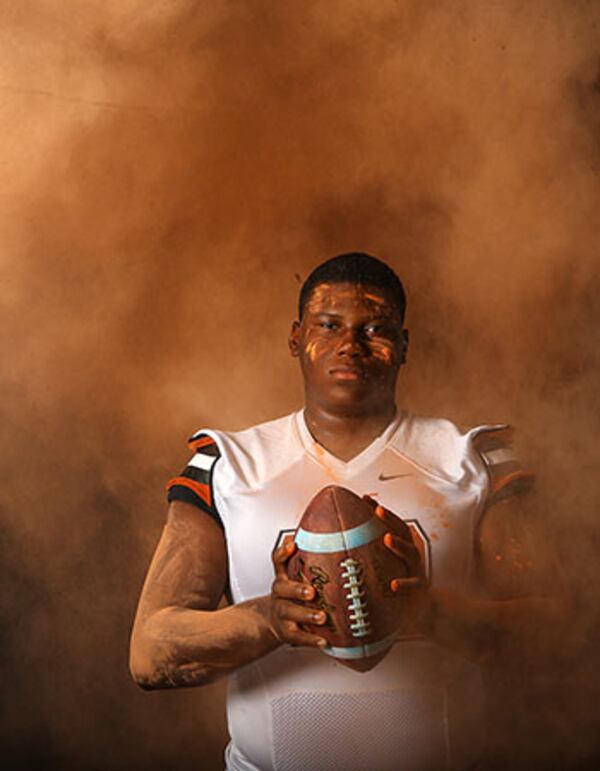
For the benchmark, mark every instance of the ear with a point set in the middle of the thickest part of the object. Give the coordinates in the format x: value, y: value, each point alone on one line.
x: 294, y: 339
x: 404, y: 346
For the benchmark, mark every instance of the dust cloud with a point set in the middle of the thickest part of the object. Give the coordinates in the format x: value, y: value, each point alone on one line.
x: 168, y: 169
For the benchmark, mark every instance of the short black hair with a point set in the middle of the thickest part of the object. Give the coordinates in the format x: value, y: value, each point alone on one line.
x: 355, y: 268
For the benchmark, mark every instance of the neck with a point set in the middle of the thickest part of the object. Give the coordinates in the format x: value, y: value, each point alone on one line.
x: 346, y: 435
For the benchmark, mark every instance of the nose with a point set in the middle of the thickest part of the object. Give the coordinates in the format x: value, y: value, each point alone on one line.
x: 352, y: 344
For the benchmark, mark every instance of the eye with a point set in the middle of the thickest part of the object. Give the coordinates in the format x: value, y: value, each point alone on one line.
x: 328, y: 325
x: 372, y: 330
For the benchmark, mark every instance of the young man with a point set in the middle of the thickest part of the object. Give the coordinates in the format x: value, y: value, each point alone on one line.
x: 290, y: 706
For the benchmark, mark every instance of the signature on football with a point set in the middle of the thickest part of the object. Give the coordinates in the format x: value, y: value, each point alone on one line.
x: 318, y: 579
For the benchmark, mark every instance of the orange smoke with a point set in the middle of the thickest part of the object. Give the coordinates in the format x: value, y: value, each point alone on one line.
x: 167, y: 170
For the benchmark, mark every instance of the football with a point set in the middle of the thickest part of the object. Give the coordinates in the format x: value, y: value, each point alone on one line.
x: 340, y: 551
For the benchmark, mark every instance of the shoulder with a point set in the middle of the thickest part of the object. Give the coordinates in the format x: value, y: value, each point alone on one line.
x: 507, y: 475
x: 256, y: 454
x: 194, y: 484
x: 482, y: 456
x: 438, y: 446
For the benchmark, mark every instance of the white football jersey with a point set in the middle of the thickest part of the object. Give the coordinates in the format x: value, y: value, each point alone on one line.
x: 297, y: 709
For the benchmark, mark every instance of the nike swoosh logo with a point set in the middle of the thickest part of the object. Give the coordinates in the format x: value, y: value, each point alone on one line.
x: 387, y: 477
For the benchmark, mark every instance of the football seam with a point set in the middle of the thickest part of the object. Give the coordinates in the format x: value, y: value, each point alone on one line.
x: 347, y: 555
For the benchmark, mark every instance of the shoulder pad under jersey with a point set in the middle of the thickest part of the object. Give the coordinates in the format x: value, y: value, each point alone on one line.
x: 506, y: 474
x: 194, y: 484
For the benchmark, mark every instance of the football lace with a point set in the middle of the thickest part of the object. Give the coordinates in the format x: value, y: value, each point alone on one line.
x: 357, y: 605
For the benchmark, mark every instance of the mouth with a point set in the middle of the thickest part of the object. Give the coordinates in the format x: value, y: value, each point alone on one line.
x: 347, y: 374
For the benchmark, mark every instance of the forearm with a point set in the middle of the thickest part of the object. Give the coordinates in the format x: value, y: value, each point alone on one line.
x: 498, y: 629
x: 179, y: 647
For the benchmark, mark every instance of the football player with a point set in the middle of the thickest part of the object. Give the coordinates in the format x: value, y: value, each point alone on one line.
x: 473, y: 575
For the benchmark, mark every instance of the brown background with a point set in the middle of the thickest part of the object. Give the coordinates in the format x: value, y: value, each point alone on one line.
x: 167, y: 170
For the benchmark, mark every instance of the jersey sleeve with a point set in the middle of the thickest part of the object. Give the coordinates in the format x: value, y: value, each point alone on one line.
x: 507, y: 477
x: 195, y: 483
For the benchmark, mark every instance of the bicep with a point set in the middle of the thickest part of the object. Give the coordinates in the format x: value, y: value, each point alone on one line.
x: 516, y: 557
x: 189, y: 566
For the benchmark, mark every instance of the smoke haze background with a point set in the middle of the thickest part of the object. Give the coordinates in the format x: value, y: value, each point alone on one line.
x: 167, y: 170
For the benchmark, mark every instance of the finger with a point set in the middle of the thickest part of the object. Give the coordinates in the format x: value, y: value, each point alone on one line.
x: 393, y: 521
x: 306, y: 638
x: 296, y: 636
x: 404, y: 584
x: 401, y: 549
x: 292, y: 590
x: 400, y: 546
x: 290, y: 541
x: 282, y: 554
x: 404, y: 550
x: 407, y: 553
x: 286, y: 610
x: 285, y: 548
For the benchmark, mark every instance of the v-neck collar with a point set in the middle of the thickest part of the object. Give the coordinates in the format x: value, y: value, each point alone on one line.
x: 332, y: 462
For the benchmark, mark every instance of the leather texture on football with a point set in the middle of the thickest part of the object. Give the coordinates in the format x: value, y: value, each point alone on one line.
x: 340, y: 551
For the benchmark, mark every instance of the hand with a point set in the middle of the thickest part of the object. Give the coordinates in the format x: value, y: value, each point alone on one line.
x: 399, y: 541
x: 287, y: 611
x: 419, y: 605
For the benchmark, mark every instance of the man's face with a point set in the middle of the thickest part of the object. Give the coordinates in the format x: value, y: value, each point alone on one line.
x: 350, y: 343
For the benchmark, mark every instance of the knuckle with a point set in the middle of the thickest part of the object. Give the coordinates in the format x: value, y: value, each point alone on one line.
x: 304, y: 592
x: 281, y: 608
x: 277, y: 555
x: 289, y: 627
x: 281, y: 587
x: 293, y: 612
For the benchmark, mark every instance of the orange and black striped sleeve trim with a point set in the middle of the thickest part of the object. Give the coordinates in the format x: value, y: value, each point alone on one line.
x: 507, y: 476
x: 195, y: 483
